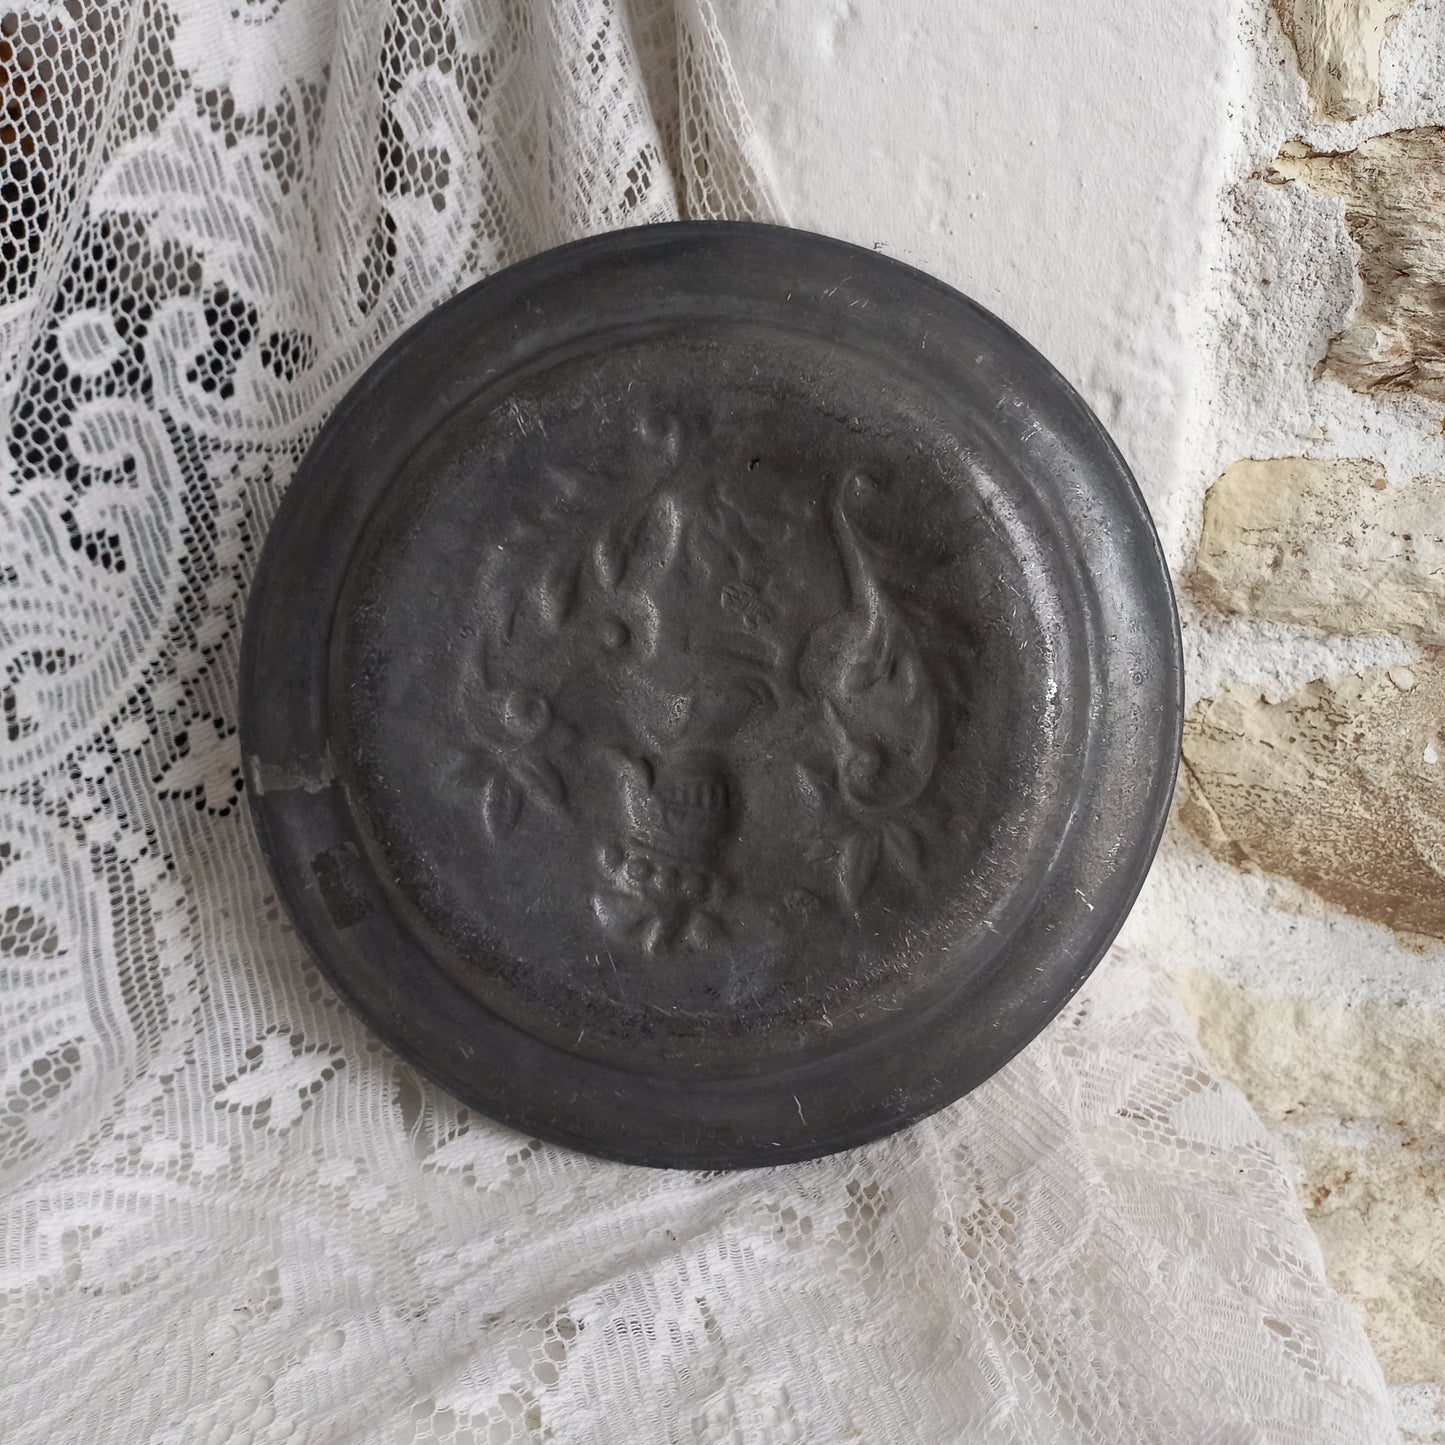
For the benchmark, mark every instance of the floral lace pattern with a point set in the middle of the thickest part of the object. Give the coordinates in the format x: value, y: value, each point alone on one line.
x: 227, y: 1213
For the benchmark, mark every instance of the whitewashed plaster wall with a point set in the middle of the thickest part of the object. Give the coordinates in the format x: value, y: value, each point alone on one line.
x: 1057, y: 162
x: 1147, y: 192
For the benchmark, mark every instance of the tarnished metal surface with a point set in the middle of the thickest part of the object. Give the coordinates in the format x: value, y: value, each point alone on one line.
x: 711, y: 695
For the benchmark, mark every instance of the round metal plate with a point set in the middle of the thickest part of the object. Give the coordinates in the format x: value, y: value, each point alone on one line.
x: 710, y: 695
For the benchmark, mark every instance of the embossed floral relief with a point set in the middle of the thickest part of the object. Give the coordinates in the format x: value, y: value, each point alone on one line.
x: 707, y: 654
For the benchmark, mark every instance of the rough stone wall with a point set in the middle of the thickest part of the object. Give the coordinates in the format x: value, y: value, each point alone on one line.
x: 1301, y: 892
x: 1338, y: 43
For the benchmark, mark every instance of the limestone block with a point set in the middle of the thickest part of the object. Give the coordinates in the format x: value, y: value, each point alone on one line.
x: 1338, y: 44
x: 1340, y: 787
x: 1393, y: 187
x: 1321, y: 1056
x: 1325, y: 544
x: 1377, y: 1202
x: 1380, y: 1217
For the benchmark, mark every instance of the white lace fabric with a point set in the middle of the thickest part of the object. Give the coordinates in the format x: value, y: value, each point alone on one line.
x: 227, y: 1213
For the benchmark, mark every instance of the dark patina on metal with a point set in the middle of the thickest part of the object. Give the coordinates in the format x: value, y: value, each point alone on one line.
x: 710, y: 696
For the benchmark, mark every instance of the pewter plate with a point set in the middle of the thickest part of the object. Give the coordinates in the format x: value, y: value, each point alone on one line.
x: 710, y: 695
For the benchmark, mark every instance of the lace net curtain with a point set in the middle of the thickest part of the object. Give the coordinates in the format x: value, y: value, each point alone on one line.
x: 226, y: 1213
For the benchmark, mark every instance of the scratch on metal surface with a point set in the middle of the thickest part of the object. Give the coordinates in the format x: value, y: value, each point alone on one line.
x: 267, y: 778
